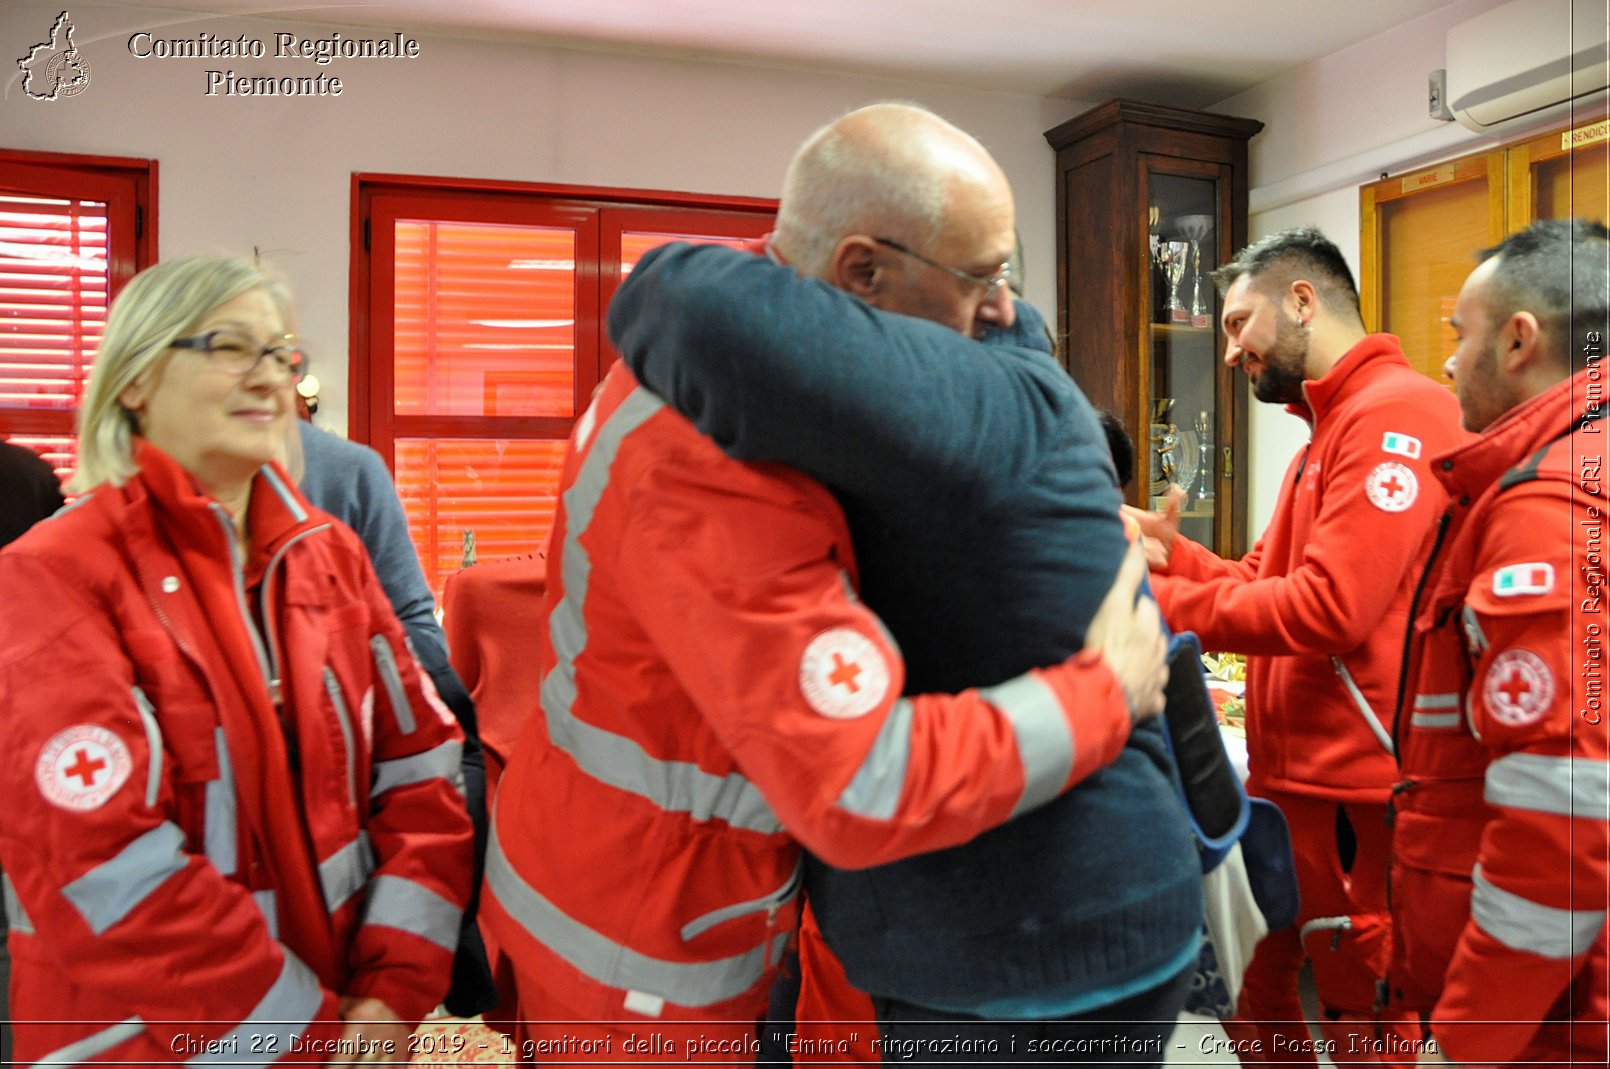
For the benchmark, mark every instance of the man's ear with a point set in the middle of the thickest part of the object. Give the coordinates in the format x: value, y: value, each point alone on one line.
x: 1519, y: 343
x: 1305, y: 301
x: 854, y: 267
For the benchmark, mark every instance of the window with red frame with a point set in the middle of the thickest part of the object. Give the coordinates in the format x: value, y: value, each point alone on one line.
x: 73, y: 230
x: 479, y: 339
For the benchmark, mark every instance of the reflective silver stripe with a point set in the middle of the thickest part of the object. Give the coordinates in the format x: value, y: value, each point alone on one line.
x: 343, y: 717
x: 1436, y: 720
x: 1474, y: 635
x: 1382, y: 736
x: 439, y: 762
x: 70, y: 506
x: 703, y: 983
x: 1562, y: 785
x: 285, y: 495
x: 874, y: 791
x: 218, y: 839
x: 620, y: 762
x: 699, y: 925
x: 268, y: 906
x: 1436, y: 701
x: 153, y: 743
x: 16, y: 917
x: 282, y: 1015
x: 403, y: 904
x: 1521, y: 924
x: 111, y: 890
x: 386, y: 665
x: 99, y: 1043
x: 345, y: 872
x: 227, y: 522
x: 1045, y: 742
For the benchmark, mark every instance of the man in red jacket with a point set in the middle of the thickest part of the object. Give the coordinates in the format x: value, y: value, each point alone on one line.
x: 715, y: 696
x: 1319, y: 605
x: 1500, y: 846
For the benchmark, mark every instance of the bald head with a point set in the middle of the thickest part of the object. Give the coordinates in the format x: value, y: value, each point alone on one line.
x: 905, y: 210
x: 895, y: 170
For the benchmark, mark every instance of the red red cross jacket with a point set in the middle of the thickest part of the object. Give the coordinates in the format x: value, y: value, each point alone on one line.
x: 192, y: 867
x: 1321, y: 602
x: 714, y: 695
x: 1500, y: 871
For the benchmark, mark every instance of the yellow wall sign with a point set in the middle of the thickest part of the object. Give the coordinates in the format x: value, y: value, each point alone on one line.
x: 1434, y: 177
x: 1590, y: 134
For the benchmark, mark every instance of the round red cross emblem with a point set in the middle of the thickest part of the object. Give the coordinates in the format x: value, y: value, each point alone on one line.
x: 81, y: 767
x: 843, y: 674
x: 1391, y: 487
x: 1519, y: 688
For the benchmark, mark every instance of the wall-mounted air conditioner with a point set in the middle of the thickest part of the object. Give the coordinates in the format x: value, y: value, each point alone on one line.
x: 1528, y: 60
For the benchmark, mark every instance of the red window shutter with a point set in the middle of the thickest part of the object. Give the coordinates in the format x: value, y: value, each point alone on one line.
x: 68, y: 240
x: 484, y: 342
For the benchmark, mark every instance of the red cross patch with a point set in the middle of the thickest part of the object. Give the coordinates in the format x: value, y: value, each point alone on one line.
x: 1519, y: 688
x: 1391, y: 487
x: 843, y: 674
x: 81, y: 767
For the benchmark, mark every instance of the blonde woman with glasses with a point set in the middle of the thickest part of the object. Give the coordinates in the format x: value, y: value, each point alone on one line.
x: 234, y: 825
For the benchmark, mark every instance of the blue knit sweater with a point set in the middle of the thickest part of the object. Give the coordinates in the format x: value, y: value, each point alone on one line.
x: 984, y: 509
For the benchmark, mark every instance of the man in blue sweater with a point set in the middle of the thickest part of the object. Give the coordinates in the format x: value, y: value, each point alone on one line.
x: 351, y: 482
x: 985, y: 512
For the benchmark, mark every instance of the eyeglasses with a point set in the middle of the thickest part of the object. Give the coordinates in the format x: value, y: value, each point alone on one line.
x: 236, y: 355
x: 991, y: 284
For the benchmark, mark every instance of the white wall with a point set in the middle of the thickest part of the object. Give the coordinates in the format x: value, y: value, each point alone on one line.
x: 275, y: 173
x: 1329, y: 127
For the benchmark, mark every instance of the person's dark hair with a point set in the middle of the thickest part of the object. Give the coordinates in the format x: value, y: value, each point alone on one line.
x: 1559, y: 270
x: 1276, y: 261
x: 1120, y: 444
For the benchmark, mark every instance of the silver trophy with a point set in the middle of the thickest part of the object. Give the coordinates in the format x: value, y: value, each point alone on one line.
x: 1204, y: 448
x: 1176, y: 254
x: 1196, y: 228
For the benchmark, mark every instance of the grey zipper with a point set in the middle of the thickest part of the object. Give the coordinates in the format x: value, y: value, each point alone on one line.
x: 1364, y: 709
x: 769, y: 903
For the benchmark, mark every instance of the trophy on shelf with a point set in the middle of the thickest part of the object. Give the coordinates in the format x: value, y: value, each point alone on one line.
x: 1159, y: 252
x: 1196, y: 228
x: 1204, y: 448
x: 1164, y: 439
x: 1176, y: 255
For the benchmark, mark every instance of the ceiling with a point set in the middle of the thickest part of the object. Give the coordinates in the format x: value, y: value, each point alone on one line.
x: 1187, y: 53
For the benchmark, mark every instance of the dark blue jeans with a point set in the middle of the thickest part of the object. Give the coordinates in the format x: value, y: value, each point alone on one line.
x: 1133, y: 1032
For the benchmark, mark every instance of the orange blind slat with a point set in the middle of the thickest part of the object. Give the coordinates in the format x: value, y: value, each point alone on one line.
x: 54, y: 281
x: 484, y: 320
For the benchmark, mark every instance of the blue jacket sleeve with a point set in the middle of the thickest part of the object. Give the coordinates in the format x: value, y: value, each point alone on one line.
x: 880, y: 406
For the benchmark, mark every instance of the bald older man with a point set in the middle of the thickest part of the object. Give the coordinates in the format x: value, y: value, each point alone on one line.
x: 715, y: 694
x: 984, y: 510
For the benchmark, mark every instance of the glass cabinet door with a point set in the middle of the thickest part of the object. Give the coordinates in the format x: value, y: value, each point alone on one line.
x: 1186, y: 446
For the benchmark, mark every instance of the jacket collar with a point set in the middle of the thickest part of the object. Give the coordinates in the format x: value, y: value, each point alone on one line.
x: 277, y: 510
x: 1358, y: 366
x: 1524, y: 429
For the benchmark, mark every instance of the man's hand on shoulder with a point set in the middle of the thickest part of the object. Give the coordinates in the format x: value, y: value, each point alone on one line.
x: 1128, y: 632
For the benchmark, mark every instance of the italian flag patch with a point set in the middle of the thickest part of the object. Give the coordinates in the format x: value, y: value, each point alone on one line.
x: 1517, y: 579
x: 1404, y: 445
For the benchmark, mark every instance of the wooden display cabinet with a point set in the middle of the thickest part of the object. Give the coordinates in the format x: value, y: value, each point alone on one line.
x: 1149, y: 200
